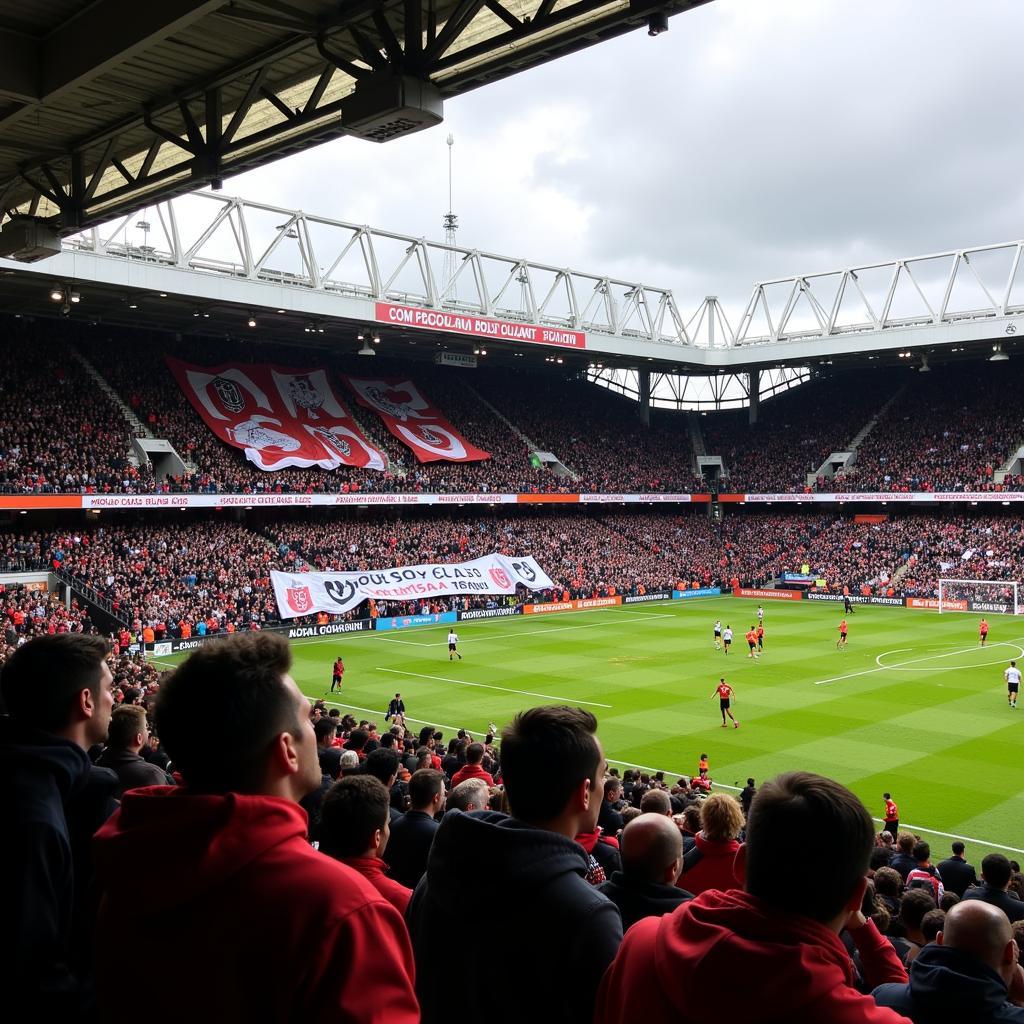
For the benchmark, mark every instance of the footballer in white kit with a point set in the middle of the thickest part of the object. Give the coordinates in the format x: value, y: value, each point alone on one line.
x: 1012, y: 677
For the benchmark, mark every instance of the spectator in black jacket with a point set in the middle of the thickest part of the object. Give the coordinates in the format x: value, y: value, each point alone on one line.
x: 413, y: 834
x: 57, y: 694
x: 609, y: 819
x: 995, y: 875
x: 903, y: 860
x: 652, y: 860
x: 957, y: 874
x: 554, y: 925
x: 965, y: 976
x: 127, y: 736
x: 747, y: 797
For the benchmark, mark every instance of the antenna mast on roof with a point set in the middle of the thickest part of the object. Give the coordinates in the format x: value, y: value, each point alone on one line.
x: 451, y: 226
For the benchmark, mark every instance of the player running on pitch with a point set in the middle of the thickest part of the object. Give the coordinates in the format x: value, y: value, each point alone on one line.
x: 1012, y: 677
x: 760, y: 638
x: 718, y: 634
x: 453, y: 640
x: 727, y: 638
x: 752, y: 642
x: 841, y: 642
x: 337, y: 673
x: 725, y: 695
x: 983, y: 632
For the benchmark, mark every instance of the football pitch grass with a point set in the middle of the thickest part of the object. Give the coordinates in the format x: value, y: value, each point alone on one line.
x: 913, y: 706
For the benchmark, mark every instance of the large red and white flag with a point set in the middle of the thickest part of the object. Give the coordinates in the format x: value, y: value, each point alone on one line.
x: 278, y: 417
x: 413, y: 420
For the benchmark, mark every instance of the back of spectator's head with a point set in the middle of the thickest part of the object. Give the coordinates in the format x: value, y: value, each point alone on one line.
x: 996, y: 870
x: 914, y: 905
x: 888, y: 882
x: 1018, y: 937
x: 721, y: 818
x: 242, y: 685
x: 127, y: 729
x: 471, y: 795
x: 931, y: 924
x: 354, y: 817
x: 547, y: 753
x: 691, y: 818
x: 325, y: 731
x: 424, y: 786
x: 787, y: 810
x: 44, y: 683
x: 881, y: 856
x: 948, y: 900
x: 388, y: 740
x: 474, y: 753
x: 349, y: 760
x: 357, y: 739
x: 382, y: 764
x: 922, y: 851
x: 905, y: 842
x: 629, y: 814
x: 656, y: 801
x: 982, y: 931
x: 652, y: 849
x: 958, y: 849
x: 132, y: 694
x: 750, y: 782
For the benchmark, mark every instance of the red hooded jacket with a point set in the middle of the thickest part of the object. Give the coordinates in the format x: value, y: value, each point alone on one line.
x: 255, y: 923
x: 715, y: 868
x: 726, y: 956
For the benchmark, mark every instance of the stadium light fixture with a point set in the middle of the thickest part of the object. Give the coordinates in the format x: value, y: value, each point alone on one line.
x: 252, y: 320
x: 998, y: 355
x: 75, y: 297
x: 56, y: 293
x: 376, y: 339
x: 163, y: 295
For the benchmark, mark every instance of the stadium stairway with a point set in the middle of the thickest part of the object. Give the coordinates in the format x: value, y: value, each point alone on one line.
x: 872, y: 423
x: 1015, y: 461
x: 515, y: 430
x: 139, y: 429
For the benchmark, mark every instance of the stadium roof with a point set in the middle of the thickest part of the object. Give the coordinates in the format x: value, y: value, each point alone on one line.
x: 107, y: 105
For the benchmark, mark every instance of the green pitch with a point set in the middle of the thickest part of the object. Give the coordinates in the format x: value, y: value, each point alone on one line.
x: 913, y: 706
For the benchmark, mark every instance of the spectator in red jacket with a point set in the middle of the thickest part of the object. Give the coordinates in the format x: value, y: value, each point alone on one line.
x: 711, y: 864
x: 473, y: 768
x: 262, y: 925
x: 355, y: 827
x: 775, y: 944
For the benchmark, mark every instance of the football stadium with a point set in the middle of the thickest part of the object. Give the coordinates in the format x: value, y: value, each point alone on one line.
x: 370, y: 574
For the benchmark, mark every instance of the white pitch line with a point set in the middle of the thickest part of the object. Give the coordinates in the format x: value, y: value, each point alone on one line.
x: 912, y: 661
x: 488, y: 686
x: 526, y: 632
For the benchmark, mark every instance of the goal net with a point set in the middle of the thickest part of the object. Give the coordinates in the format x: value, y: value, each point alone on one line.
x: 992, y: 597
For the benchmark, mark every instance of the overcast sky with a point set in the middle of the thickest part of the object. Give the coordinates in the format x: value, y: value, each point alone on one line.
x: 756, y: 139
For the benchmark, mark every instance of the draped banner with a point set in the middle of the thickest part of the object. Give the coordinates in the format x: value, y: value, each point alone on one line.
x: 338, y: 592
x: 413, y: 420
x: 278, y: 417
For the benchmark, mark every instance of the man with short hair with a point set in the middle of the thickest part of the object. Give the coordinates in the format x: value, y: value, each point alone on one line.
x: 471, y: 795
x: 557, y: 933
x: 382, y: 765
x: 327, y: 753
x: 747, y: 797
x: 126, y: 737
x: 260, y: 923
x: 656, y: 801
x: 995, y: 879
x: 651, y: 849
x: 965, y: 975
x: 411, y: 838
x: 957, y: 874
x: 774, y: 943
x: 473, y: 769
x: 609, y: 819
x: 903, y: 859
x: 57, y: 692
x: 923, y: 871
x: 354, y: 828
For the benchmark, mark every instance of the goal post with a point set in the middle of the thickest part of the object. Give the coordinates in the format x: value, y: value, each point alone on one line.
x: 993, y: 597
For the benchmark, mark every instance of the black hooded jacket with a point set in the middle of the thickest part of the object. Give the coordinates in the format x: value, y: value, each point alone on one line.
x: 545, y: 935
x: 53, y: 800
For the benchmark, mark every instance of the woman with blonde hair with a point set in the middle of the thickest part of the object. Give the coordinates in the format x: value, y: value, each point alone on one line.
x: 710, y: 864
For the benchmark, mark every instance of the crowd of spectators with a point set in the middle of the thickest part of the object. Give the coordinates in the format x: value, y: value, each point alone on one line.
x: 59, y: 432
x: 950, y: 430
x: 947, y: 430
x: 212, y: 575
